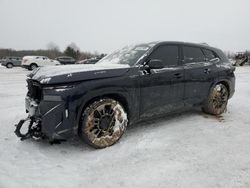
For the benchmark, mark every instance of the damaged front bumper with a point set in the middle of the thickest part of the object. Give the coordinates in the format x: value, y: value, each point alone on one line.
x: 46, y: 119
x: 33, y: 131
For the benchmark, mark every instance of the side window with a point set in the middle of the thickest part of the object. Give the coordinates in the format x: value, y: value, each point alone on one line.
x: 209, y: 54
x: 192, y: 54
x: 167, y: 53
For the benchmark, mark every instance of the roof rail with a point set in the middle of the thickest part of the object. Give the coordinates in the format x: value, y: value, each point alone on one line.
x: 204, y: 43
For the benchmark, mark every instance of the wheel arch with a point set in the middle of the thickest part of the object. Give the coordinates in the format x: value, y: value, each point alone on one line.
x: 33, y: 63
x: 122, y: 99
x: 9, y: 63
x: 224, y: 82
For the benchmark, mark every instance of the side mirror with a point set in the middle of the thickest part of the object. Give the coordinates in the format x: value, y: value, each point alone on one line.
x: 155, y: 64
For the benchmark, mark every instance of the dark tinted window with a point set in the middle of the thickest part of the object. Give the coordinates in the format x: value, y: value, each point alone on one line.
x: 167, y: 53
x: 193, y: 54
x: 209, y: 54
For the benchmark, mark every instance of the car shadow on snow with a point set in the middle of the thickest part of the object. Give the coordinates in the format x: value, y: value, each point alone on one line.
x: 170, y: 120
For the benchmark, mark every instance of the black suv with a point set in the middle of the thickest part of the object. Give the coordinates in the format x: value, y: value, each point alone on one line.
x: 138, y: 82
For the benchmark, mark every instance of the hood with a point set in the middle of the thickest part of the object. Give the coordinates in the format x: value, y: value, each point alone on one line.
x: 72, y: 73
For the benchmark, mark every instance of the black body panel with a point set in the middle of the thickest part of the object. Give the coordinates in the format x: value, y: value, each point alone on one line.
x: 63, y: 92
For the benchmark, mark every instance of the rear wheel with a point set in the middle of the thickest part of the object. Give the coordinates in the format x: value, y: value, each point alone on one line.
x: 103, y: 123
x: 216, y: 102
x: 9, y: 65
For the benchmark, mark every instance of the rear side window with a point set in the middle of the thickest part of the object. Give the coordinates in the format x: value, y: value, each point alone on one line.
x: 192, y: 54
x: 209, y: 54
x: 168, y: 54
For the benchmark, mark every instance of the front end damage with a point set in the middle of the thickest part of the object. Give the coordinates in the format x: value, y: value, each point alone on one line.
x: 48, y: 115
x: 33, y: 129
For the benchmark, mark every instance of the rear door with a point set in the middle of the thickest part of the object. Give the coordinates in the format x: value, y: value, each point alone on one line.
x: 200, y: 72
x: 38, y: 60
x: 162, y: 90
x: 15, y: 61
x: 46, y: 61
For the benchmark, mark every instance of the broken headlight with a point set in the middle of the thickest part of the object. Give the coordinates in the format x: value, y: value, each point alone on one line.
x: 53, y: 93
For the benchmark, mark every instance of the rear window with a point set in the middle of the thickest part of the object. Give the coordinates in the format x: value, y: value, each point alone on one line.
x: 192, y: 54
x: 66, y: 58
x: 209, y: 54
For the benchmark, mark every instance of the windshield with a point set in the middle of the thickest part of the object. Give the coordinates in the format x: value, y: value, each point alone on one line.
x: 128, y: 55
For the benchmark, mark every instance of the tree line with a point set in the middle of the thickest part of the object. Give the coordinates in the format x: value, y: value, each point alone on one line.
x: 72, y: 50
x: 52, y: 52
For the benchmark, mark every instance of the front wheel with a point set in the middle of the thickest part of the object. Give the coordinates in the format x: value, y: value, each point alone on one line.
x: 103, y: 123
x: 216, y: 102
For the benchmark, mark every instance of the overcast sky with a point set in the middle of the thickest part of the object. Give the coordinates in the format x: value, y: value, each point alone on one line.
x: 105, y: 25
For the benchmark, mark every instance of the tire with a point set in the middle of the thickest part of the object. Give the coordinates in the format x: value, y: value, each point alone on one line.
x: 9, y: 65
x: 33, y: 66
x: 216, y: 103
x: 103, y: 123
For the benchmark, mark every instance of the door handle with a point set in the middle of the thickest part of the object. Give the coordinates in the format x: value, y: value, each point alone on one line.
x: 207, y: 71
x: 177, y: 75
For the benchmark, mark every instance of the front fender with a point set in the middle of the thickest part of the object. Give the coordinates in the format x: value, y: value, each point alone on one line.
x: 90, y: 96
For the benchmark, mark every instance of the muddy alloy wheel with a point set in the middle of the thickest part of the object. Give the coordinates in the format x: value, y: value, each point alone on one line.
x: 217, y: 101
x: 103, y: 123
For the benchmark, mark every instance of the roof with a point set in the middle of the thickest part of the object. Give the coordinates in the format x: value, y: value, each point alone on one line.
x: 200, y: 45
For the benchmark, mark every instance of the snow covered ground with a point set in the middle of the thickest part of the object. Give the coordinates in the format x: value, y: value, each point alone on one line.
x: 190, y: 149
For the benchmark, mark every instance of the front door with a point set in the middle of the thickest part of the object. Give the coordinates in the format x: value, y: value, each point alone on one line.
x: 162, y: 90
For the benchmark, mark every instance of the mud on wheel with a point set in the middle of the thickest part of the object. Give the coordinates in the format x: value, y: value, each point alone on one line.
x: 103, y: 123
x: 217, y: 100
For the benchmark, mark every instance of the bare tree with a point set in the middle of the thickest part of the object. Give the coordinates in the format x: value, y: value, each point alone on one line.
x: 52, y: 46
x: 74, y: 46
x: 53, y: 49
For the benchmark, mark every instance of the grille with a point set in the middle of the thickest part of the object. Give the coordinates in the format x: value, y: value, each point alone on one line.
x: 34, y: 89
